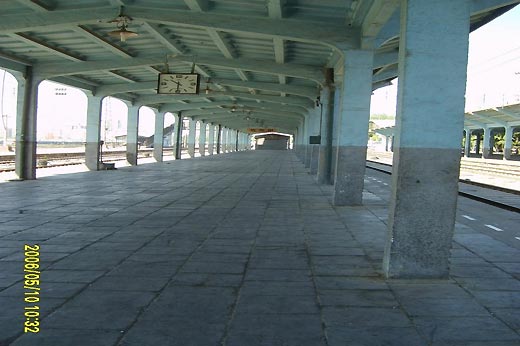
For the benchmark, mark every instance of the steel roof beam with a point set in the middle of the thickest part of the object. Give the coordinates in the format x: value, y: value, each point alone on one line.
x: 492, y: 120
x: 294, y: 70
x: 331, y: 34
x: 374, y: 20
x: 33, y: 41
x: 295, y: 101
x: 479, y: 6
x: 219, y: 111
x: 508, y: 113
x: 37, y: 5
x: 175, y: 107
x: 159, y: 34
x: 97, y: 38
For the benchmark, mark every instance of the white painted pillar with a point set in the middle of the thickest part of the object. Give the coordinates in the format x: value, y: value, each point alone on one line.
x: 232, y: 140
x: 191, y: 137
x: 486, y: 150
x: 211, y: 139
x: 508, y: 146
x: 467, y: 142
x: 387, y: 143
x: 158, y: 137
x: 225, y: 140
x: 433, y: 55
x: 26, y: 125
x: 353, y: 127
x: 132, y: 145
x: 93, y: 135
x: 202, y: 138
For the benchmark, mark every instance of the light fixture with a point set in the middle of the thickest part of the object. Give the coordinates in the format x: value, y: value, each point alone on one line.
x: 234, y: 109
x: 122, y: 22
x: 207, y: 90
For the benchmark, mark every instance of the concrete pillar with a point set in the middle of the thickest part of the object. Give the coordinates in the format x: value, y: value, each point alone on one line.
x: 486, y: 150
x: 211, y: 139
x: 132, y: 129
x: 424, y: 192
x: 26, y: 124
x: 219, y: 139
x: 353, y: 130
x: 508, y: 146
x: 191, y: 137
x: 178, y: 136
x: 93, y: 136
x: 228, y: 140
x: 335, y: 133
x: 202, y: 138
x: 308, y: 150
x: 325, y: 148
x: 158, y: 137
x: 223, y: 134
x: 233, y: 140
x: 467, y: 142
x: 315, y: 148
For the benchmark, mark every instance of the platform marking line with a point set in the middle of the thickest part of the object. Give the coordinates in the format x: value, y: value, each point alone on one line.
x: 494, y: 228
x: 468, y: 217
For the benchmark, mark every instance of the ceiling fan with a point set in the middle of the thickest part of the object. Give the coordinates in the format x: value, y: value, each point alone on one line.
x: 122, y: 21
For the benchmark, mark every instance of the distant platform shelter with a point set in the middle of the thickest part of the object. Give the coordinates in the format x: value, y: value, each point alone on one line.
x: 272, y: 142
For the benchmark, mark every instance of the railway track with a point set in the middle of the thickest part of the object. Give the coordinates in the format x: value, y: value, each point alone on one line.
x: 387, y: 169
x: 67, y: 159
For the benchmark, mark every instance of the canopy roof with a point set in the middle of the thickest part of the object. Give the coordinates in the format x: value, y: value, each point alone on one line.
x: 264, y: 57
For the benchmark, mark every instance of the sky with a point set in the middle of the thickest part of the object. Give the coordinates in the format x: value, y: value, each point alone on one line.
x: 493, y: 80
x: 493, y: 68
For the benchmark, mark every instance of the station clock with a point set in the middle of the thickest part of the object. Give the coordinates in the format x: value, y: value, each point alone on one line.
x: 178, y: 83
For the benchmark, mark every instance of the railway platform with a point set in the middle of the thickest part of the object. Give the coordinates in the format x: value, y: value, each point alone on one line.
x: 243, y: 248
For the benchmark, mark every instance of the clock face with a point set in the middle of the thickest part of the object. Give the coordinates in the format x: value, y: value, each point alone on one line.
x: 178, y: 83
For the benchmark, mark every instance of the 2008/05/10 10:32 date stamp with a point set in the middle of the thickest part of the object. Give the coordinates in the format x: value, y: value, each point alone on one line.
x: 31, y: 286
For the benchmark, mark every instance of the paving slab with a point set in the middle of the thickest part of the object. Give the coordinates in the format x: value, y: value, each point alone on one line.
x: 240, y: 249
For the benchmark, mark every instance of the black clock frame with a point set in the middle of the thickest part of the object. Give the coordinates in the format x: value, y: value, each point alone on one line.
x: 177, y: 74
